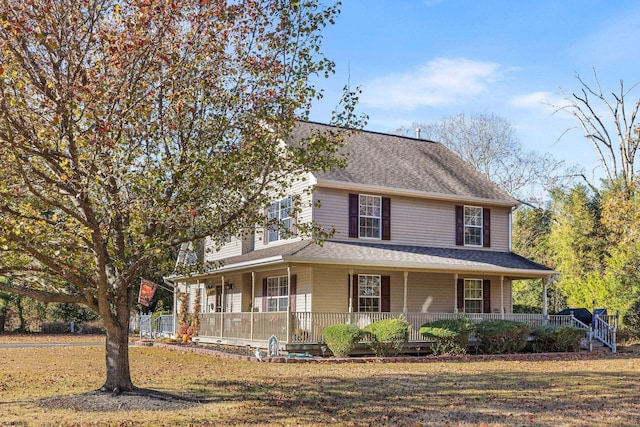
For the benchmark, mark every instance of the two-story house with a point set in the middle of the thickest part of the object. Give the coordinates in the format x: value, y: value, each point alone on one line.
x: 418, y: 233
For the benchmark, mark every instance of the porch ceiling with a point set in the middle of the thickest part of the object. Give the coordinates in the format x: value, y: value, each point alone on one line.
x: 389, y: 256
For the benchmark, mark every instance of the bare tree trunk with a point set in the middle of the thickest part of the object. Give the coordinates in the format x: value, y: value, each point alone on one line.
x: 117, y: 355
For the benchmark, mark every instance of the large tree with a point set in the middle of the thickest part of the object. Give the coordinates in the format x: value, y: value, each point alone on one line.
x: 489, y: 143
x: 128, y: 127
x: 610, y: 123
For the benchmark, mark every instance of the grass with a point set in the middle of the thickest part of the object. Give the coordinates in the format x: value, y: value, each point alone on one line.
x: 567, y: 391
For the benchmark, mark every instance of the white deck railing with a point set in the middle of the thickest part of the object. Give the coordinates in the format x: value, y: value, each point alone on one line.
x: 604, y: 329
x: 307, y: 328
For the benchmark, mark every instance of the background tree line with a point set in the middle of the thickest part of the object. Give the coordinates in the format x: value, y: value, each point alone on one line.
x: 589, y: 232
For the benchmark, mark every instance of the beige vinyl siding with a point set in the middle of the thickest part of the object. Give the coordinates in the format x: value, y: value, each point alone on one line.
x: 297, y: 189
x: 414, y: 221
x: 233, y: 248
x: 330, y: 290
x: 495, y: 295
x: 426, y: 292
x: 500, y: 228
x: 245, y: 292
x: 304, y: 288
x: 235, y: 297
x: 430, y: 293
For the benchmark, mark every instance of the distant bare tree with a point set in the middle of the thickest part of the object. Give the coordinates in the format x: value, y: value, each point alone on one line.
x: 488, y: 142
x: 611, y: 124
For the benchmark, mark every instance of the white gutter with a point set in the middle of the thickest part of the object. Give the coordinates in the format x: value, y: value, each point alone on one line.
x: 233, y: 267
x: 420, y: 266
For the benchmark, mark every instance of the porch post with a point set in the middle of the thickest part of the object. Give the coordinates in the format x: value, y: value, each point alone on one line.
x: 222, y: 310
x: 288, y: 304
x: 404, y: 307
x: 455, y: 293
x: 350, y: 291
x: 253, y: 300
x: 545, y: 308
x: 175, y: 309
x: 502, y: 297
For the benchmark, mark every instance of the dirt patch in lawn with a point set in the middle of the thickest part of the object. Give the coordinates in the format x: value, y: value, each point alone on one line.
x: 140, y: 399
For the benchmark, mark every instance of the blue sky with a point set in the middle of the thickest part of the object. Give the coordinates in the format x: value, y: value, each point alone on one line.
x: 423, y: 60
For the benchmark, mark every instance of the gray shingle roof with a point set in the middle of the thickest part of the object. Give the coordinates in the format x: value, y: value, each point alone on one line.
x: 403, y: 163
x: 394, y: 256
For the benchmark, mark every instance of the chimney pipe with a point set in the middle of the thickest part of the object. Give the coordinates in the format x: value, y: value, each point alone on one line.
x: 417, y: 133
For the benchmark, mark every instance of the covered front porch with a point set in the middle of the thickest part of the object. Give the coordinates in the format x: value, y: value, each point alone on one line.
x: 298, y: 330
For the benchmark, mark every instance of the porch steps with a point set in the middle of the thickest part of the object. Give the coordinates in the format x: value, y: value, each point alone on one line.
x: 594, y: 346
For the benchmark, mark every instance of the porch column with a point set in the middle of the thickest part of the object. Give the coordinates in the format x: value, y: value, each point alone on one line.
x: 545, y: 308
x: 455, y: 293
x: 253, y: 300
x: 350, y: 291
x: 222, y: 310
x: 404, y: 307
x: 502, y: 297
x: 175, y: 309
x: 288, y: 304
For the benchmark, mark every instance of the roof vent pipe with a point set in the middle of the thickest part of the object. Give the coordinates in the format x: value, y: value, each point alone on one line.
x: 417, y: 133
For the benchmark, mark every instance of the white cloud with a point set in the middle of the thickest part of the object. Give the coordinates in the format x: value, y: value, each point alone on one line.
x: 540, y: 102
x: 440, y: 82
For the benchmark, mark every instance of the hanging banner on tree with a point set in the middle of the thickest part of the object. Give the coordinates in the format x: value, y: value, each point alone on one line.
x: 147, y: 290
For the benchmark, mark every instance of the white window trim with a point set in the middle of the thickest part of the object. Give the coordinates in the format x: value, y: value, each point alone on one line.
x: 379, y: 297
x: 275, y: 231
x: 281, y: 299
x: 464, y: 294
x: 480, y: 227
x: 379, y: 218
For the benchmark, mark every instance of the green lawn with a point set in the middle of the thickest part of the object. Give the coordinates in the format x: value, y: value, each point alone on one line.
x: 567, y: 391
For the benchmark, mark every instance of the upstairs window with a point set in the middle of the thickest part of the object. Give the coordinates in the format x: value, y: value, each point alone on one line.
x: 369, y: 213
x: 280, y: 212
x: 473, y: 226
x: 369, y: 216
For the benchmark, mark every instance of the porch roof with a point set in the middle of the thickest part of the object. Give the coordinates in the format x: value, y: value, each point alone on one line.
x: 365, y: 254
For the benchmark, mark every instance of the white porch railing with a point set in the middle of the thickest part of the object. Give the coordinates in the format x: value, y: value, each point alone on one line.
x: 604, y: 329
x: 307, y: 328
x: 163, y: 325
x: 148, y: 328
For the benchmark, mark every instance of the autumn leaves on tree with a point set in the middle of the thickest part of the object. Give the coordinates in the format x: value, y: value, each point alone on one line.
x: 128, y: 127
